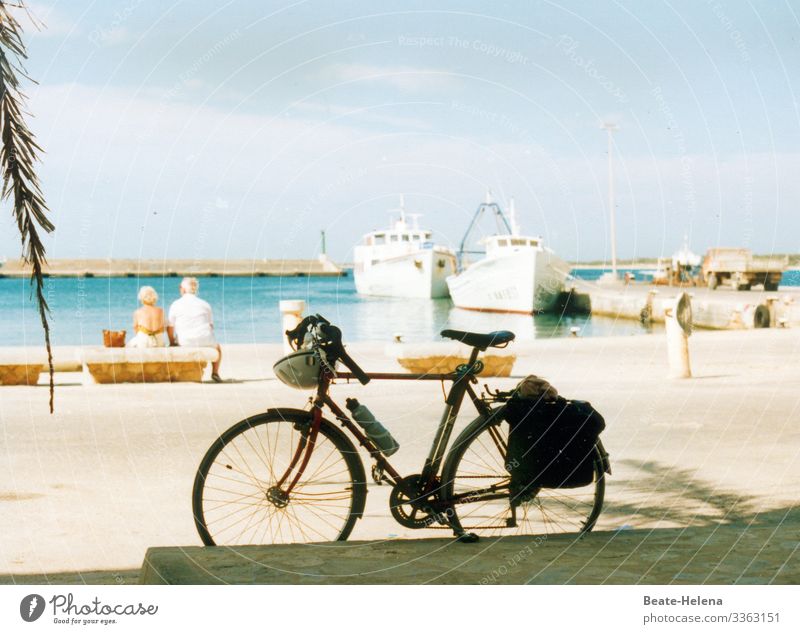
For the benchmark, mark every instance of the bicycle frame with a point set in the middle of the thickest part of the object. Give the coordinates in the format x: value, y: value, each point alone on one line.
x: 462, y: 378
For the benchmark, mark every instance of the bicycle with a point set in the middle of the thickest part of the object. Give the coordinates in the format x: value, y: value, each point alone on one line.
x: 291, y: 475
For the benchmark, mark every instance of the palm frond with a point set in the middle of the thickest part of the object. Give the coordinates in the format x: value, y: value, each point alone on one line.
x: 19, y: 154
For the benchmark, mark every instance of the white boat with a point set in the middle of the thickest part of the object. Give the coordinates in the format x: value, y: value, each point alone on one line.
x: 684, y: 258
x: 517, y: 275
x: 402, y: 261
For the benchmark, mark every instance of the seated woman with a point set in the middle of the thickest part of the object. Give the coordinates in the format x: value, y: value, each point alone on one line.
x: 148, y: 321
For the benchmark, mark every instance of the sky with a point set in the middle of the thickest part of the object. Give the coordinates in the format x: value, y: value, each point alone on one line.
x: 241, y: 129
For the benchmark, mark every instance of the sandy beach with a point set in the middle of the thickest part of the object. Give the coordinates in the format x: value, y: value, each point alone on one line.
x: 706, y: 470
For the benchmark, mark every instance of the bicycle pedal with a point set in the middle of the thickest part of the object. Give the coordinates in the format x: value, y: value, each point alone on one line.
x: 467, y: 538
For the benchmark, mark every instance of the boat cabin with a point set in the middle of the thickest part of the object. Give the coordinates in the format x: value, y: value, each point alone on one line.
x: 381, y: 238
x: 504, y: 243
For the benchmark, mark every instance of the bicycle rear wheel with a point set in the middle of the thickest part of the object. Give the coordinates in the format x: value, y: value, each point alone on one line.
x: 475, y: 487
x: 236, y: 498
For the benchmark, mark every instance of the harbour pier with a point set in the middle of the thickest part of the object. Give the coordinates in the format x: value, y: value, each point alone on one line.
x: 719, y: 309
x: 133, y: 267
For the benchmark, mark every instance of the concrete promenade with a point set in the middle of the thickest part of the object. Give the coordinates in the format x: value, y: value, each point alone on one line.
x: 706, y: 470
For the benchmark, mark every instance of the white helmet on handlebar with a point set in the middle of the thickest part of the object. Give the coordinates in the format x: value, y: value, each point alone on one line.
x: 299, y: 370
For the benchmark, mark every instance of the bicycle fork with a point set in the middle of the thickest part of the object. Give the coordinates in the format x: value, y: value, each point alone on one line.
x: 305, y: 447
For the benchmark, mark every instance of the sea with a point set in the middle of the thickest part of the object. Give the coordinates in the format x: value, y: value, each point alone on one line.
x: 246, y: 310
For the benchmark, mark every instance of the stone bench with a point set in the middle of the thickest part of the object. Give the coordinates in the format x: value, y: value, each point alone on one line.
x: 21, y: 366
x: 445, y: 356
x: 145, y: 365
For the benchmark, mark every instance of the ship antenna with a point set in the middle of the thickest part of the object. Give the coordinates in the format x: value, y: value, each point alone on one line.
x: 400, y: 223
x: 512, y: 217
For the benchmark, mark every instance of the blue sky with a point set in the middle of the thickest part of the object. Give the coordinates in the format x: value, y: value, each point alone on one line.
x: 240, y: 129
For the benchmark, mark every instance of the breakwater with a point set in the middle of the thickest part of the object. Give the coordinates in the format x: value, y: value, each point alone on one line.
x: 320, y: 267
x: 720, y: 309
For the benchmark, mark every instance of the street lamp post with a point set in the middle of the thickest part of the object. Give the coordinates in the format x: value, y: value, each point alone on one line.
x: 610, y: 128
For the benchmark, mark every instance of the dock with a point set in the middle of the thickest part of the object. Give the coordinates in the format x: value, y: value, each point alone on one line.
x: 131, y: 267
x: 720, y: 309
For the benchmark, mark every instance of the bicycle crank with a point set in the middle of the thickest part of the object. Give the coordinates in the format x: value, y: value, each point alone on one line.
x: 411, y: 508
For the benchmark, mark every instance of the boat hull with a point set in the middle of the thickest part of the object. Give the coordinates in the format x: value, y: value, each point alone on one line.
x: 526, y: 282
x: 421, y: 273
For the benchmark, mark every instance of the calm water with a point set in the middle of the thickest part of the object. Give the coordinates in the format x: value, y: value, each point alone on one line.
x: 246, y: 310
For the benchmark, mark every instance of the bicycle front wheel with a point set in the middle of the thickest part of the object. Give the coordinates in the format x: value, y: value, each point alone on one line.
x: 475, y: 488
x: 238, y: 497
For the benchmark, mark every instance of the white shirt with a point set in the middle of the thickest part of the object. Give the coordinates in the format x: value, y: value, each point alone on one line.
x: 191, y: 318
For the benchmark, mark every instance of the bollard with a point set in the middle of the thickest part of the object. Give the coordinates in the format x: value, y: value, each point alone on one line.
x: 646, y: 314
x: 678, y: 322
x: 737, y: 317
x: 774, y: 308
x: 291, y: 315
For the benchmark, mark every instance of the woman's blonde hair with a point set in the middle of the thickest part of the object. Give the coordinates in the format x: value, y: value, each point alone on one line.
x: 148, y: 295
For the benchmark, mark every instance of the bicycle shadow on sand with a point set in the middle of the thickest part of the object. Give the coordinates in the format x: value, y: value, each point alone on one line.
x: 648, y: 492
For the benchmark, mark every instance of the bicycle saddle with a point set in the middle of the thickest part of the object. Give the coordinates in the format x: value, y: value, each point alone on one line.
x: 497, y: 339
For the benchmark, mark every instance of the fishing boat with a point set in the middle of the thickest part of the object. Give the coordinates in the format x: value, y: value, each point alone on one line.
x: 517, y: 274
x: 402, y: 261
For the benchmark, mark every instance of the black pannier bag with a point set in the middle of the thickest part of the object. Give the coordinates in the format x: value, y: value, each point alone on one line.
x: 551, y: 443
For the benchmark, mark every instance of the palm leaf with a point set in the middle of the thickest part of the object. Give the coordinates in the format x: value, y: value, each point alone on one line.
x: 18, y: 158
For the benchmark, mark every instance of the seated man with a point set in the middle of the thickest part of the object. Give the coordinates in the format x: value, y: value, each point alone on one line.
x: 192, y: 324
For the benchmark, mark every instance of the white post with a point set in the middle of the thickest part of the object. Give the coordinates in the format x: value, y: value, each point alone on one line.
x: 610, y: 127
x: 291, y: 315
x: 678, y: 322
x: 772, y: 305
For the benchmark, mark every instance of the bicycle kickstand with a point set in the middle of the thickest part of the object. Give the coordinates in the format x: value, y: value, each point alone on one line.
x: 464, y: 537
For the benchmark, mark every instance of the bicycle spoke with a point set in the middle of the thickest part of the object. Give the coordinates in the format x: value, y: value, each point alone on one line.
x: 247, y: 527
x: 247, y: 464
x: 258, y: 485
x: 311, y: 527
x: 324, y: 460
x: 241, y: 502
x: 222, y: 531
x: 210, y: 488
x: 480, y: 470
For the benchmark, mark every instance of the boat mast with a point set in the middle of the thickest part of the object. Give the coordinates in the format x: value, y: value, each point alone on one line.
x: 499, y: 216
x: 512, y: 218
x: 400, y: 223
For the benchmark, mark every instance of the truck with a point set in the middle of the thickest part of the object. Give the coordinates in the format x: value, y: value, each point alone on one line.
x: 739, y: 269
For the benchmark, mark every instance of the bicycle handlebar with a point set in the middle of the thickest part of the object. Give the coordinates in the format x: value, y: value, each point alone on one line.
x: 330, y: 342
x: 333, y: 344
x: 354, y: 368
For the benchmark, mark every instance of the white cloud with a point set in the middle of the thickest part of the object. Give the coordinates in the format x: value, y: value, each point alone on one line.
x: 405, y: 78
x: 364, y: 114
x: 194, y: 84
x: 45, y: 21
x: 149, y: 174
x: 111, y: 36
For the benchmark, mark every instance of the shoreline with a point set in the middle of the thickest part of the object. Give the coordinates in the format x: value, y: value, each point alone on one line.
x: 181, y: 267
